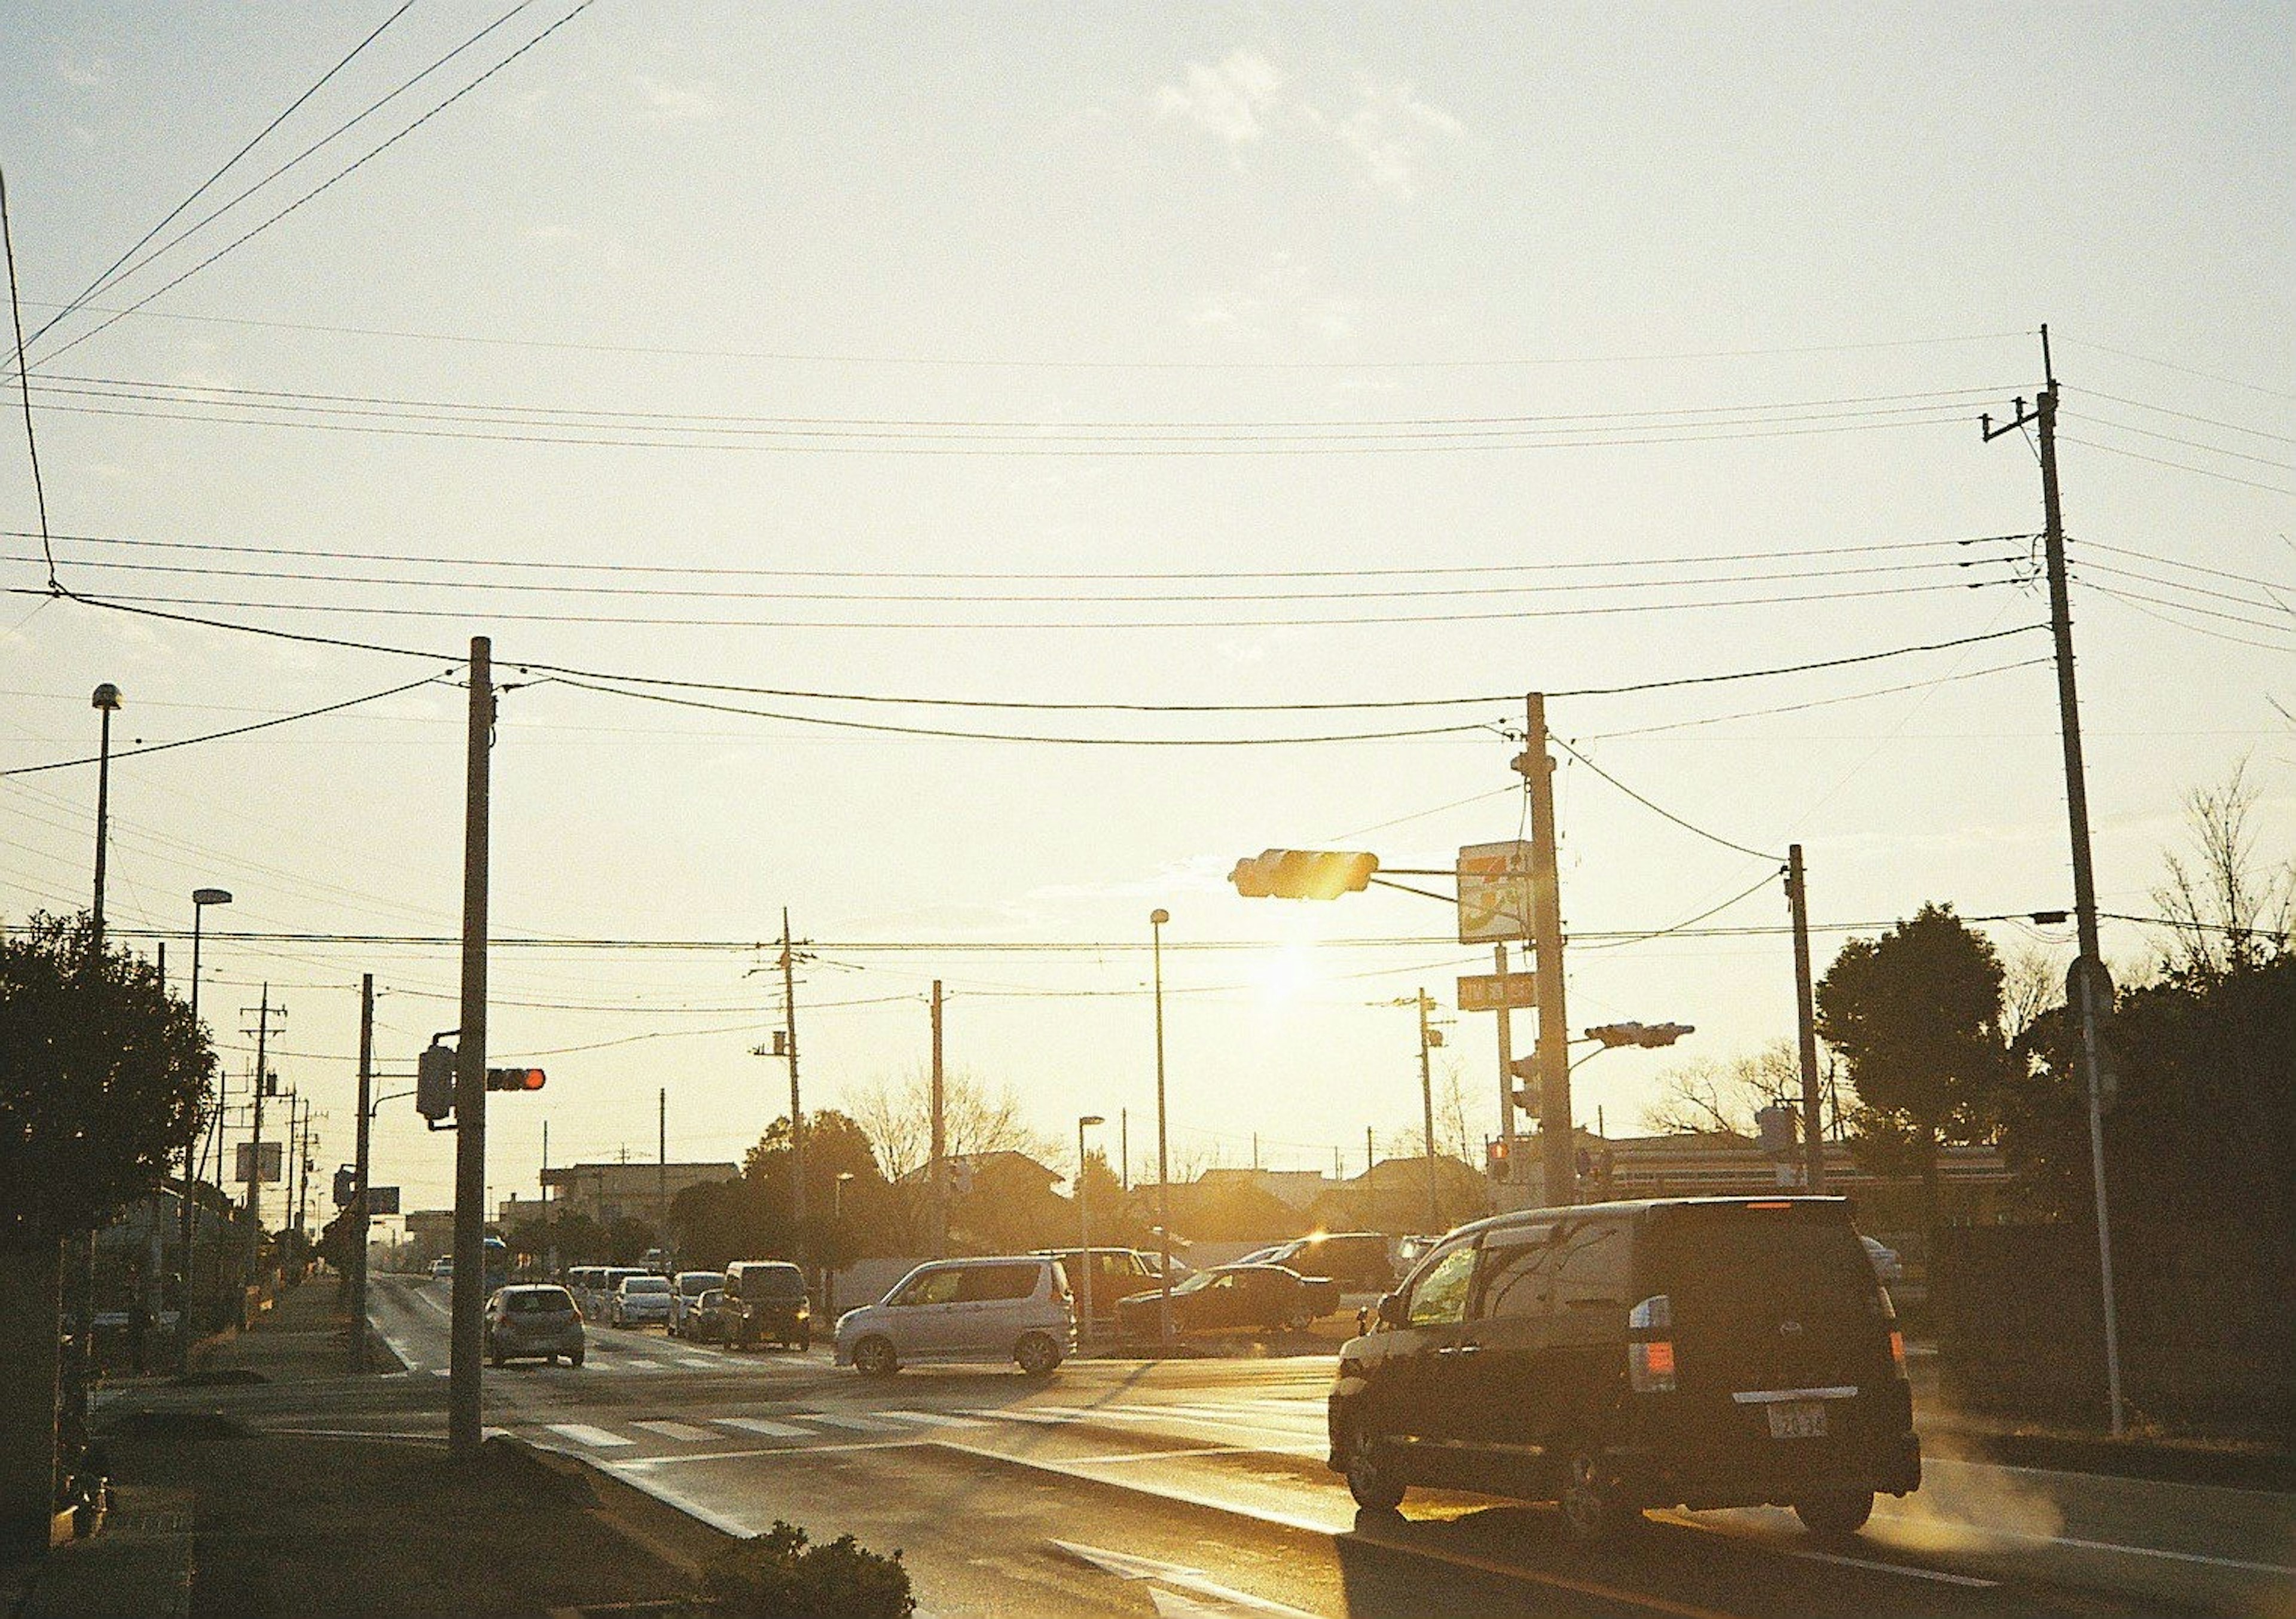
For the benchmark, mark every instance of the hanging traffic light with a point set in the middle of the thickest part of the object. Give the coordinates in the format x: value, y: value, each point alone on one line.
x: 346, y: 1186
x: 1303, y: 873
x: 1495, y: 1159
x: 434, y: 1082
x: 1614, y: 1034
x: 514, y: 1079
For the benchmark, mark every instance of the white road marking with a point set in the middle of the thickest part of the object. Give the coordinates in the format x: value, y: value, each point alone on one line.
x: 937, y: 1418
x: 1226, y: 1598
x: 864, y: 1425
x: 582, y: 1432
x: 761, y: 1425
x: 684, y: 1431
x: 698, y: 1362
x: 906, y: 1442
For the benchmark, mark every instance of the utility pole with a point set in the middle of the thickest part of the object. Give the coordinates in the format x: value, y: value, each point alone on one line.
x: 2090, y: 988
x: 661, y: 1175
x: 1427, y: 1101
x: 255, y: 1153
x: 1370, y: 1157
x: 1123, y: 1144
x: 796, y: 1115
x: 1507, y: 1071
x: 937, y: 1169
x: 464, y: 1432
x: 361, y: 1222
x: 1813, y: 1141
x: 549, y: 1210
x: 299, y: 1108
x: 1558, y: 1170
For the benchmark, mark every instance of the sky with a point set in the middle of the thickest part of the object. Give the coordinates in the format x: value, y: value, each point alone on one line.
x: 782, y: 388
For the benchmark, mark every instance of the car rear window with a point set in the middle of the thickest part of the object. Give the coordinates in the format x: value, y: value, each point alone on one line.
x: 773, y: 1281
x: 539, y: 1302
x: 1747, y: 1256
x: 985, y: 1283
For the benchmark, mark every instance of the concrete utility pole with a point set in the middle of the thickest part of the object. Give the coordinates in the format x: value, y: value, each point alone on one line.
x: 464, y: 1431
x: 1813, y: 1140
x: 797, y: 1115
x: 2090, y: 988
x: 361, y: 1220
x: 1506, y: 1069
x: 1558, y: 1170
x: 255, y: 1152
x: 937, y: 1167
x: 661, y: 1175
x: 1426, y: 1004
x: 1156, y: 921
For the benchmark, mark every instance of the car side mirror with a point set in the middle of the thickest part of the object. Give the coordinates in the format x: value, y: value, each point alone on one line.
x: 1391, y: 1312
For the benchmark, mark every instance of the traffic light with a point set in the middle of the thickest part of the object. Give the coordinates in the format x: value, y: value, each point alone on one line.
x: 346, y: 1186
x: 1776, y: 1123
x: 1615, y: 1034
x: 514, y: 1079
x: 434, y: 1082
x: 1495, y: 1159
x: 1303, y: 873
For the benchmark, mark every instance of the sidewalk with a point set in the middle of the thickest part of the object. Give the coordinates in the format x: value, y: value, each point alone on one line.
x: 212, y: 1517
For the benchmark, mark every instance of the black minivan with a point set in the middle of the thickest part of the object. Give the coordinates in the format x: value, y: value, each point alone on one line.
x: 1695, y: 1352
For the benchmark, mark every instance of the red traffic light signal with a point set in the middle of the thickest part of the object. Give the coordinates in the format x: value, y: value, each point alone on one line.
x: 1303, y: 873
x: 514, y: 1079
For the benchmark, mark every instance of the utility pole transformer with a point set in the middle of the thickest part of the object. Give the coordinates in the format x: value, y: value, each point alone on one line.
x: 2090, y: 988
x: 464, y: 1431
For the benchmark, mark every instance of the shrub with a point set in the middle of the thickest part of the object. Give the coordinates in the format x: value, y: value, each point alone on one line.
x: 779, y: 1576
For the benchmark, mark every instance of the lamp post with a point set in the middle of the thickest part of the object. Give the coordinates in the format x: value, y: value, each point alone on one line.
x: 836, y: 1242
x: 1156, y: 921
x: 187, y: 1226
x: 106, y: 702
x: 1084, y: 1235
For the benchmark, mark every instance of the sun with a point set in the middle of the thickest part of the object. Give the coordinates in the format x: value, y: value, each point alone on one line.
x: 1285, y: 973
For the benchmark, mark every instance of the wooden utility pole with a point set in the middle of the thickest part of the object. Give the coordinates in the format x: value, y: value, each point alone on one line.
x: 464, y: 1429
x: 1557, y: 1167
x: 797, y: 1114
x: 1427, y: 1103
x: 937, y: 1166
x: 1507, y: 1074
x: 1813, y: 1138
x: 2090, y: 988
x: 361, y: 1219
x: 661, y: 1175
x: 255, y: 1154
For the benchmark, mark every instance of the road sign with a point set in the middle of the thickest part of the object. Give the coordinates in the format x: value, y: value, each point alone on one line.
x: 1489, y: 992
x: 1494, y: 892
x: 272, y: 1156
x: 383, y: 1200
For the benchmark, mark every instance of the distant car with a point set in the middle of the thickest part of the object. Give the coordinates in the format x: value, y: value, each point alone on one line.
x: 1233, y: 1298
x: 710, y: 1319
x: 523, y: 1321
x: 442, y: 1269
x: 1014, y: 1308
x: 1116, y: 1274
x: 1356, y: 1260
x: 641, y: 1299
x: 684, y: 1288
x: 1888, y: 1270
x: 601, y: 1300
x: 768, y: 1300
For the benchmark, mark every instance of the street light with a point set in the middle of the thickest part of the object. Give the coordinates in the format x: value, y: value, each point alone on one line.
x: 1084, y: 1233
x: 1156, y: 921
x: 106, y: 702
x: 187, y: 1227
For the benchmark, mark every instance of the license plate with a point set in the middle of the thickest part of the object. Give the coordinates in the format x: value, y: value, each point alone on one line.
x: 1797, y: 1419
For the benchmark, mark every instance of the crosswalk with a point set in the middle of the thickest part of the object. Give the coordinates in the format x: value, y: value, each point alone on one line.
x: 1269, y: 1424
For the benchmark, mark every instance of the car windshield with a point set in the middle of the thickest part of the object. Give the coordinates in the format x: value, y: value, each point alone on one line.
x: 645, y: 1284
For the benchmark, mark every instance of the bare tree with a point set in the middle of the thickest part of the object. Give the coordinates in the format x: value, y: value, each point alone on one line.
x: 1724, y: 1094
x: 2032, y: 986
x: 2226, y: 909
x: 896, y: 1115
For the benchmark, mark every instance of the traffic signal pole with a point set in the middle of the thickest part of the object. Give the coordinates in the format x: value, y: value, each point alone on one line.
x: 360, y: 1220
x: 1813, y: 1140
x: 1558, y: 1169
x: 464, y: 1433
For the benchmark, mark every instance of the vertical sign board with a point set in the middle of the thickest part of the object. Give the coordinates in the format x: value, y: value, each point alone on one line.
x: 1495, y: 892
x: 273, y: 1154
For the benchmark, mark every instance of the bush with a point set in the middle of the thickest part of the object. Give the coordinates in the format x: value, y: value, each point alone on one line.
x: 778, y: 1576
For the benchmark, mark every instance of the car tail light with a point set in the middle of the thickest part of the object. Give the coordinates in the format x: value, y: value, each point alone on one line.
x: 1897, y: 1350
x: 1649, y: 1362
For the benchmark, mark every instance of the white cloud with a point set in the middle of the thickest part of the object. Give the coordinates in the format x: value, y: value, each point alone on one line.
x: 669, y: 103
x: 1391, y: 133
x: 88, y: 73
x: 1233, y: 100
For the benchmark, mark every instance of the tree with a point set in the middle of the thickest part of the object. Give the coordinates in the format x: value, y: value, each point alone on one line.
x: 2226, y: 911
x: 1706, y: 1094
x: 750, y: 1217
x: 103, y: 1076
x: 896, y: 1118
x: 1916, y: 1016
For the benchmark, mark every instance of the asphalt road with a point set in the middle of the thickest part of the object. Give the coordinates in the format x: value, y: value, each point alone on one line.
x: 1196, y: 1487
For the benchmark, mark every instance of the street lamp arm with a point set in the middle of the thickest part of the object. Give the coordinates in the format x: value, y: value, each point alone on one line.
x: 394, y: 1095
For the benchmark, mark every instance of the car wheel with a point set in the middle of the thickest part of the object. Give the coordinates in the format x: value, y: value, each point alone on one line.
x: 1835, y: 1513
x: 1038, y: 1355
x: 1595, y: 1509
x: 575, y: 1359
x: 804, y: 1342
x: 1371, y: 1480
x: 551, y: 1358
x: 874, y: 1357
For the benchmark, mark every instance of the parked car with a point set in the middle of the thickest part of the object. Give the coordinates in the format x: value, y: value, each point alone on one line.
x: 641, y: 1299
x: 684, y: 1288
x: 1356, y: 1260
x: 585, y: 1282
x: 526, y: 1321
x: 768, y: 1300
x: 1233, y: 1298
x: 442, y: 1270
x: 600, y: 1303
x: 1015, y: 1308
x: 1700, y: 1352
x: 1117, y: 1274
x: 709, y: 1319
x: 1887, y: 1268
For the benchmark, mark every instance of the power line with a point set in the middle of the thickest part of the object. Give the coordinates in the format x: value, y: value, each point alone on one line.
x: 1821, y: 702
x: 2181, y: 466
x: 31, y: 440
x: 1737, y: 849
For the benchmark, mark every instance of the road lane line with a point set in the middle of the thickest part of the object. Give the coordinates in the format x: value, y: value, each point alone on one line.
x: 684, y: 1432
x: 695, y: 1362
x: 1125, y: 1566
x: 862, y: 1424
x: 761, y: 1425
x: 1681, y: 1520
x: 792, y: 1453
x: 937, y: 1418
x: 582, y: 1432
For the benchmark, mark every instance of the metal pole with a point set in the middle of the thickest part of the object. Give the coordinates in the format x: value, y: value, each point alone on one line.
x: 1812, y: 1134
x: 1084, y: 1242
x: 1506, y: 1067
x: 796, y: 1115
x: 464, y: 1431
x: 1156, y: 921
x: 939, y: 1171
x: 662, y: 1176
x: 187, y: 1215
x: 102, y: 812
x: 1557, y: 1167
x: 255, y: 1159
x: 1124, y: 1146
x: 1427, y: 1102
x: 360, y: 1220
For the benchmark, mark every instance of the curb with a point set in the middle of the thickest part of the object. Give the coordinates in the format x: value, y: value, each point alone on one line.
x: 2148, y: 1459
x: 679, y: 1538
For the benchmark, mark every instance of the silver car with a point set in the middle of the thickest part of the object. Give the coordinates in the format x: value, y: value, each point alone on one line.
x: 686, y: 1291
x: 641, y: 1299
x: 527, y: 1322
x: 1014, y: 1309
